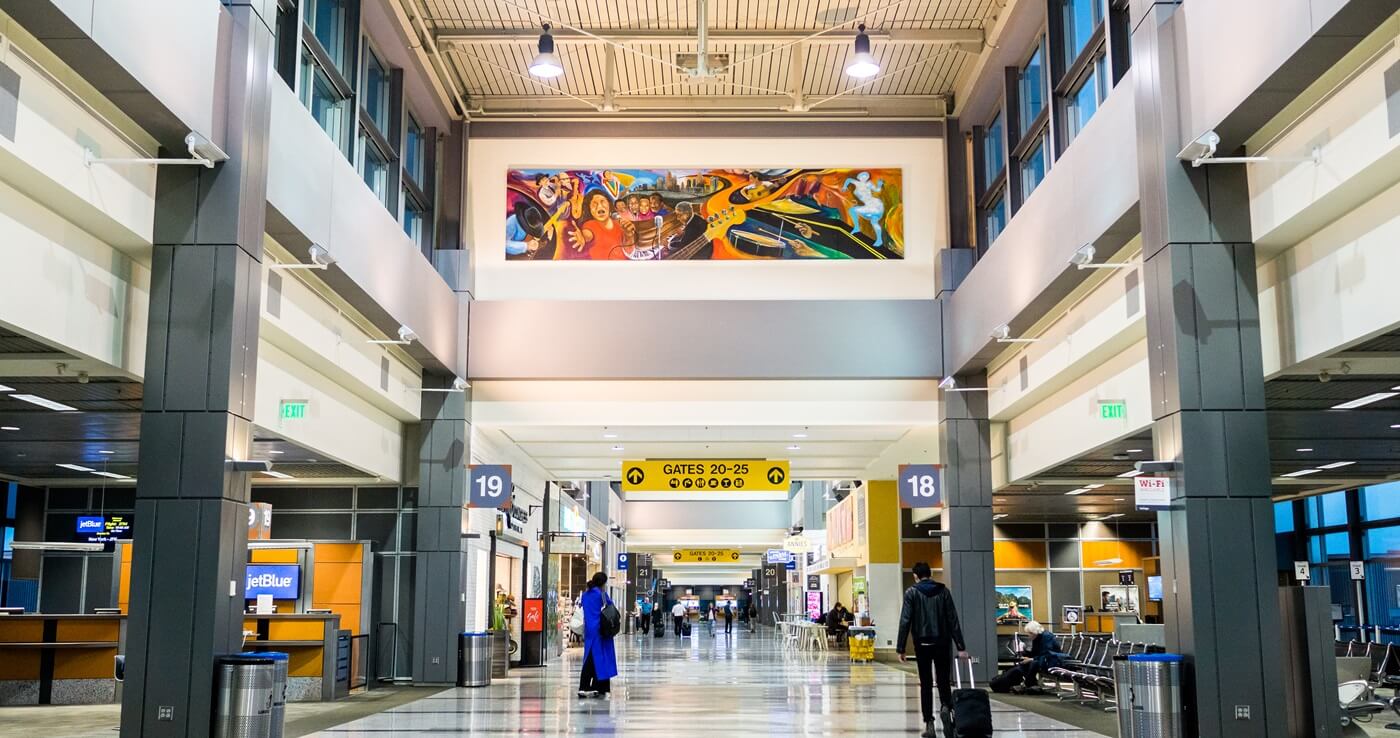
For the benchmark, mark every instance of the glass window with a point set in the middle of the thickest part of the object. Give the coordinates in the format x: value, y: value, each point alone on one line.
x: 996, y: 219
x: 1330, y: 547
x: 1381, y: 502
x: 1283, y: 517
x: 1081, y: 19
x: 319, y: 95
x: 1083, y: 103
x: 375, y: 94
x: 1032, y: 169
x: 328, y: 21
x: 374, y: 167
x: 993, y: 154
x: 413, y: 151
x: 1327, y: 510
x: 1032, y: 88
x: 288, y: 40
x: 414, y: 220
x: 1383, y: 543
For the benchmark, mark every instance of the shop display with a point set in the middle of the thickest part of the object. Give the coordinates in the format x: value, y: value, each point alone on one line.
x: 679, y: 214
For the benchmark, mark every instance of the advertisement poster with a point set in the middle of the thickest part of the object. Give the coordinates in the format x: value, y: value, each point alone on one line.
x: 814, y: 605
x: 1013, y: 604
x: 704, y: 214
x: 533, y: 620
x: 1117, y: 598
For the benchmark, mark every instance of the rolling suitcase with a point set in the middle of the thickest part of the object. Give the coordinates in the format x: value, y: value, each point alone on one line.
x: 685, y: 629
x: 972, y: 709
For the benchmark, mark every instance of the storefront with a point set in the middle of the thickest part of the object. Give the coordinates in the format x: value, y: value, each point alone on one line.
x: 515, y: 575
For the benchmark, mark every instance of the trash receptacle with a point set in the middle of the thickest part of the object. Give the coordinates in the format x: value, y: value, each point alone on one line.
x: 1123, y: 694
x: 243, y: 701
x: 280, y: 664
x: 500, y: 654
x: 474, y: 660
x: 1156, y: 695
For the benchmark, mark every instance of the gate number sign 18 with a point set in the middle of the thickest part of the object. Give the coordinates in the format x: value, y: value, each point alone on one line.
x: 489, y: 485
x: 920, y: 485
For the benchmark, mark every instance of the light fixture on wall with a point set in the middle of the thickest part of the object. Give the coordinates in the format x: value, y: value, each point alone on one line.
x: 319, y: 256
x: 1083, y: 258
x: 406, y: 336
x: 458, y: 385
x: 1202, y: 151
x: 546, y: 64
x: 949, y: 384
x: 863, y: 64
x: 1002, y: 334
x: 203, y: 152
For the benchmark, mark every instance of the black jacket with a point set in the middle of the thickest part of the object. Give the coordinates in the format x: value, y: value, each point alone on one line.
x: 930, y: 615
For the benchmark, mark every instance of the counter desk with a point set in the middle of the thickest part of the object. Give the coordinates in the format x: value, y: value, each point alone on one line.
x: 312, y: 643
x: 59, y: 659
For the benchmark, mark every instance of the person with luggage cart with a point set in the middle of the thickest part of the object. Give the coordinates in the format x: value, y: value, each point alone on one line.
x: 931, y: 617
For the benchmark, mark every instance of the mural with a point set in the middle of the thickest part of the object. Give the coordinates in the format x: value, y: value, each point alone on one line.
x: 1013, y: 605
x: 678, y: 214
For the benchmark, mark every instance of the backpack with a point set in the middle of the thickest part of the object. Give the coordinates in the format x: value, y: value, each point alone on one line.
x: 609, y: 621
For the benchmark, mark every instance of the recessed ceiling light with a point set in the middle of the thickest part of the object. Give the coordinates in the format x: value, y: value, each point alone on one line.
x: 75, y: 467
x: 277, y: 453
x: 794, y: 447
x: 999, y: 516
x: 45, y: 403
x: 278, y: 475
x: 1079, y: 491
x: 1302, y: 472
x: 799, y: 435
x: 1395, y: 427
x: 111, y: 475
x: 1358, y: 402
x: 617, y: 448
x: 610, y: 435
x: 1092, y: 486
x: 1303, y: 450
x: 1336, y: 464
x: 9, y: 427
x: 6, y: 388
x: 1001, y: 499
x: 1114, y: 515
x: 1120, y: 499
x: 105, y: 452
x: 1134, y: 450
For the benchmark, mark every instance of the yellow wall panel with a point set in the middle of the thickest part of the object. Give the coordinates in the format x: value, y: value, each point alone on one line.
x: 21, y: 631
x: 86, y: 663
x: 339, y: 553
x: 337, y: 583
x: 70, y: 631
x: 273, y: 555
x: 304, y: 662
x: 1020, y: 554
x: 1130, y: 552
x: 882, y: 519
x: 929, y: 552
x: 19, y: 663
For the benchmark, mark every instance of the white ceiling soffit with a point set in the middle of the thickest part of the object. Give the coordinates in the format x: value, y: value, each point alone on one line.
x: 785, y: 57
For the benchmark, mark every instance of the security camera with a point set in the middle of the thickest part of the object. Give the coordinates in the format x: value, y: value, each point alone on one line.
x: 203, y: 149
x: 1083, y: 256
x: 1001, y: 332
x: 1201, y: 149
x: 407, y: 335
x: 948, y: 383
x: 1324, y: 376
x: 460, y: 384
x: 320, y: 256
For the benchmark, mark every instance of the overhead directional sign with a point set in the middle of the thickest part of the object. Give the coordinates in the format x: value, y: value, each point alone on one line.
x: 706, y: 475
x: 489, y: 485
x: 920, y: 485
x: 705, y: 556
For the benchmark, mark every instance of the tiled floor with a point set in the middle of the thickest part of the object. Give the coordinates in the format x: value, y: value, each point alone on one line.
x: 738, y: 685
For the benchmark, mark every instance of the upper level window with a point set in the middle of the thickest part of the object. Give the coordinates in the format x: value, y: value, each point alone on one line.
x: 994, y: 220
x: 1081, y: 19
x: 1327, y: 510
x: 323, y: 98
x: 993, y: 151
x: 374, y: 167
x: 1381, y: 501
x: 1083, y: 101
x: 1031, y: 88
x: 374, y: 94
x: 413, y: 150
x: 1033, y: 165
x: 329, y: 21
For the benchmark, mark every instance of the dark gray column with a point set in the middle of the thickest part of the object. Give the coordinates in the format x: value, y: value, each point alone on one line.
x: 965, y: 438
x: 1218, y: 559
x: 440, y: 584
x: 201, y: 361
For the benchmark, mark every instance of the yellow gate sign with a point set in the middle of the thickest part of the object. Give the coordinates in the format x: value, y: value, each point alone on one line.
x: 706, y: 475
x: 705, y: 556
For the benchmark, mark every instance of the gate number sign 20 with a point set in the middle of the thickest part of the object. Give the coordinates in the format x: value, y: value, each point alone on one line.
x: 489, y: 485
x: 920, y: 485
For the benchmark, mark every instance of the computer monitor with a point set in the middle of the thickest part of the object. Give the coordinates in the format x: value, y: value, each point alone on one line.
x: 1154, y: 588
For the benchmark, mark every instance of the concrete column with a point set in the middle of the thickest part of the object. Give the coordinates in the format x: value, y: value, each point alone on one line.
x: 1218, y: 558
x: 965, y: 438
x: 201, y: 360
x: 440, y: 583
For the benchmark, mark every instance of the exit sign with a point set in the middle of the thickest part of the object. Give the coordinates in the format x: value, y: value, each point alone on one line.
x: 293, y: 409
x: 1113, y: 410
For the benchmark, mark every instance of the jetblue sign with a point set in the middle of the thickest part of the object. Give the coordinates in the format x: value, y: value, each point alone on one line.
x: 91, y: 524
x: 282, y: 581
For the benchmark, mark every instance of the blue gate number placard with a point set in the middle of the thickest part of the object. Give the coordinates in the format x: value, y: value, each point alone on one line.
x: 489, y: 485
x: 921, y: 485
x: 622, y: 562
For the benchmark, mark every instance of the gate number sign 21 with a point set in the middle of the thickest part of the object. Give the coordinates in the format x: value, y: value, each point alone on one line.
x: 920, y: 485
x: 489, y: 485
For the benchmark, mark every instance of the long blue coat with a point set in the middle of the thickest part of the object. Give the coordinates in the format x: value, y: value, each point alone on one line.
x: 594, y: 644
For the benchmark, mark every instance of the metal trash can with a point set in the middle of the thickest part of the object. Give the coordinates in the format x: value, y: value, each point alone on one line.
x: 474, y: 660
x: 1123, y: 694
x: 1156, y: 695
x: 280, y: 665
x: 243, y: 700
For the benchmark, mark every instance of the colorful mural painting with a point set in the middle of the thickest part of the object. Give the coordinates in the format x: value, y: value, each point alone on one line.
x: 677, y: 214
x: 1013, y: 604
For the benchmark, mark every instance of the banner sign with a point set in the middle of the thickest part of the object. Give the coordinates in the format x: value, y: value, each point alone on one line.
x: 566, y: 543
x: 489, y: 485
x: 778, y: 556
x: 797, y: 544
x: 1152, y: 493
x: 281, y: 581
x: 814, y: 582
x: 533, y: 616
x: 920, y: 485
x: 103, y: 529
x: 705, y: 555
x: 706, y: 475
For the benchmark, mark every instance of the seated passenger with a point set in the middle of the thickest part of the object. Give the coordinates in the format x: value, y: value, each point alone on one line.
x: 1044, y: 653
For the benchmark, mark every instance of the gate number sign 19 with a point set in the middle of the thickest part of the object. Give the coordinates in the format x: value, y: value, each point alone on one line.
x: 920, y: 485
x: 489, y: 485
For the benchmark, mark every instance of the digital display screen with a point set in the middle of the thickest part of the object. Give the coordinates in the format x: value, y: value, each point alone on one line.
x: 282, y: 581
x: 1154, y: 589
x: 103, y: 528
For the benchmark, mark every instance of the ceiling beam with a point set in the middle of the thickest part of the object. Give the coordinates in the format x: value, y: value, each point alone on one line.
x: 797, y: 66
x: 968, y: 40
x: 908, y: 106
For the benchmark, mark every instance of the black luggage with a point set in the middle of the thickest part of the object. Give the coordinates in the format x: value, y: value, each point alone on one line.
x: 972, y: 708
x: 1012, y: 677
x: 685, y: 628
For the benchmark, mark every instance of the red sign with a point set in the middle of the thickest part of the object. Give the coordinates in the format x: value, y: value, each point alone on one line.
x: 534, y: 616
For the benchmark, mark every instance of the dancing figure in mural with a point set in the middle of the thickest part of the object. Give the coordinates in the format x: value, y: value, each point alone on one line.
x: 871, y: 207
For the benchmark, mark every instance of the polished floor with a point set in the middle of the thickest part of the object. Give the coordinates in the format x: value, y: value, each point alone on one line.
x: 738, y: 685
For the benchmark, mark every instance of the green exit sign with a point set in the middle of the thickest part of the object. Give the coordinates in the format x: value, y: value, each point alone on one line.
x: 1113, y: 410
x: 293, y: 409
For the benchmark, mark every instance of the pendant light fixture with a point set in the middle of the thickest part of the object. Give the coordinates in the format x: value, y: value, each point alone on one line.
x: 863, y: 65
x: 545, y: 63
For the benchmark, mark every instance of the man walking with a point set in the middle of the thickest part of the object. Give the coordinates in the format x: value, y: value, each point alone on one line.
x: 645, y: 620
x: 931, y: 617
x: 678, y: 614
x: 728, y: 618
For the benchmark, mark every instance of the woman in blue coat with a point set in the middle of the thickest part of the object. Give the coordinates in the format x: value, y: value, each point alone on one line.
x: 599, y: 656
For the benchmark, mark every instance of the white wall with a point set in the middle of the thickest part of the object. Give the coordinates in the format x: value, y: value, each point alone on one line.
x: 924, y: 219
